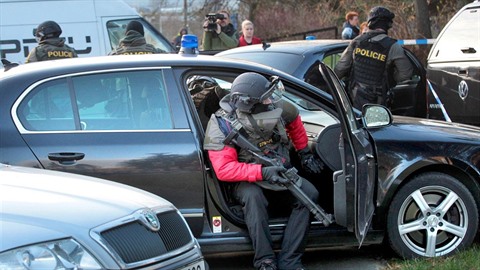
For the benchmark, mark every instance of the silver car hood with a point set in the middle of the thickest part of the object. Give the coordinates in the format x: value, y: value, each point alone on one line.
x: 40, y: 205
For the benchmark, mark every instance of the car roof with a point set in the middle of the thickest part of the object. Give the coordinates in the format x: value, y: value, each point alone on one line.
x: 58, y: 67
x: 293, y: 46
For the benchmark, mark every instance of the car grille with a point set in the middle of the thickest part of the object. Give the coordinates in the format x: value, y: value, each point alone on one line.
x: 134, y: 242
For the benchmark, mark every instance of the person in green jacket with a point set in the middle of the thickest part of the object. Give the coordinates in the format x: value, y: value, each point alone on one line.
x: 134, y: 42
x: 223, y: 37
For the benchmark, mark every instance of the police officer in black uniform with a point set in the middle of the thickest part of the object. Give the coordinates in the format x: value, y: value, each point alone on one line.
x: 374, y: 62
x: 254, y: 105
x: 134, y: 42
x: 50, y: 45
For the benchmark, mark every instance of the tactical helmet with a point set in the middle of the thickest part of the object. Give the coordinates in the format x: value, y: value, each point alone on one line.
x: 47, y: 29
x: 380, y: 13
x: 198, y: 82
x: 250, y: 89
x: 136, y: 26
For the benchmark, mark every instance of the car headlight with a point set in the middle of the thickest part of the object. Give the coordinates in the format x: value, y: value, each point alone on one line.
x: 60, y: 254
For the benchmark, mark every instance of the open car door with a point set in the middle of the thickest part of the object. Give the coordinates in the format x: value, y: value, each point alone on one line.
x: 410, y: 97
x: 354, y: 184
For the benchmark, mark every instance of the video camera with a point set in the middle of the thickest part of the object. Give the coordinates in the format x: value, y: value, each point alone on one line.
x: 212, y: 20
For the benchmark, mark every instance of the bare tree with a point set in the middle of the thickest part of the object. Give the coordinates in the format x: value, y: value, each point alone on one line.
x: 423, y: 19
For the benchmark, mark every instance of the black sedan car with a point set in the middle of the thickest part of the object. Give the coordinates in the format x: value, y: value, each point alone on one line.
x: 300, y: 58
x: 136, y: 120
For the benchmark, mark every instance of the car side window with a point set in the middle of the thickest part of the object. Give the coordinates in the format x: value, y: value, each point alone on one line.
x: 460, y: 40
x: 48, y: 108
x: 331, y: 60
x: 135, y: 100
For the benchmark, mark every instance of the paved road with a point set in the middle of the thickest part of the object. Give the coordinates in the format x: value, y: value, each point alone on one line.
x: 367, y: 258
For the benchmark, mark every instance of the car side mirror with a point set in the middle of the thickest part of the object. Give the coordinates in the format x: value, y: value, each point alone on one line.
x: 376, y: 116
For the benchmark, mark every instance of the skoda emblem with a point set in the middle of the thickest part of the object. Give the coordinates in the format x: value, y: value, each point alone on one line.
x: 463, y: 90
x: 149, y: 219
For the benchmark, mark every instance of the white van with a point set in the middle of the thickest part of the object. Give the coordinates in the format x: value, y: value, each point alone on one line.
x: 92, y: 27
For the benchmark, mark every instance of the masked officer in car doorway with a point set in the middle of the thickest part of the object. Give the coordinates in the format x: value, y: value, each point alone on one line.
x: 255, y: 103
x: 374, y: 62
x: 50, y: 45
x: 134, y: 41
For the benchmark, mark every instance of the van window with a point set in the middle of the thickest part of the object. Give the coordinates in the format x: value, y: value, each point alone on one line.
x: 135, y: 100
x: 116, y: 31
x: 461, y: 34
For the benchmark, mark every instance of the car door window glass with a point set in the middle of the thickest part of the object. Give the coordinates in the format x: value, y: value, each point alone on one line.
x: 48, y: 107
x: 314, y: 77
x: 123, y: 101
x: 332, y: 59
x: 135, y: 100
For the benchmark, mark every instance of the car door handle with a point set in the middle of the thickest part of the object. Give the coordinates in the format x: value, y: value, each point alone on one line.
x: 66, y: 156
x: 468, y: 50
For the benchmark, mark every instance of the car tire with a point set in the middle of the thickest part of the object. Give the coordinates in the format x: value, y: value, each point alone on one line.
x: 446, y: 222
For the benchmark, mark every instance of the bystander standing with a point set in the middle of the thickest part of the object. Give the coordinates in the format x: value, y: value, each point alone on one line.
x: 248, y: 37
x: 177, y: 40
x: 223, y: 36
x: 350, y: 26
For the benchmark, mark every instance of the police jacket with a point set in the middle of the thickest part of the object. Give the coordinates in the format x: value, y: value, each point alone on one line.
x: 134, y: 43
x: 51, y: 49
x: 396, y: 59
x: 232, y: 164
x: 227, y: 39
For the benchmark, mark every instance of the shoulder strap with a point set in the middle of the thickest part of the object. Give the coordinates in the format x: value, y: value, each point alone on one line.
x: 387, y: 42
x: 223, y: 125
x: 227, y: 123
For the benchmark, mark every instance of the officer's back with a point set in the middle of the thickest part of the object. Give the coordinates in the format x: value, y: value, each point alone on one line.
x: 50, y: 45
x: 134, y: 42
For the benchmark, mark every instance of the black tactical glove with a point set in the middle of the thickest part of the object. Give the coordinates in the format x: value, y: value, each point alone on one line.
x: 272, y: 174
x: 310, y: 163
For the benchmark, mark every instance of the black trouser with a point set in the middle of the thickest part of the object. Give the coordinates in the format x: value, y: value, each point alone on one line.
x: 255, y: 205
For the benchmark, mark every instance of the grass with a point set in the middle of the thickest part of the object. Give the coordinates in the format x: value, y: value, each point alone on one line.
x: 466, y: 260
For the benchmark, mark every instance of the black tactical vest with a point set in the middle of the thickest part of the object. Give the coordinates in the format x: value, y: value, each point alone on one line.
x: 370, y: 60
x: 267, y: 132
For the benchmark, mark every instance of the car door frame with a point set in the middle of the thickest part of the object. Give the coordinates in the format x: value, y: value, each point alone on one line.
x: 147, y: 149
x: 355, y: 184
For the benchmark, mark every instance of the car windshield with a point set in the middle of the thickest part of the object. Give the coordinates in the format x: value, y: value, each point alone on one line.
x: 116, y: 31
x: 285, y: 62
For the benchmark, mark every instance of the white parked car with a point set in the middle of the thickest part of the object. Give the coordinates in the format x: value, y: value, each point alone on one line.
x: 53, y: 220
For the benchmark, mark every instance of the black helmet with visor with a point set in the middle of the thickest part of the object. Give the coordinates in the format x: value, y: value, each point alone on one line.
x: 253, y: 93
x: 47, y: 29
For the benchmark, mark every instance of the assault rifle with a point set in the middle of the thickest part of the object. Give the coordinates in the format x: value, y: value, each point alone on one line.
x: 291, y: 175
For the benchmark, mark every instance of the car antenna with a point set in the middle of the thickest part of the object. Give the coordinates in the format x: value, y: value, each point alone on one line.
x: 265, y: 45
x: 7, y: 64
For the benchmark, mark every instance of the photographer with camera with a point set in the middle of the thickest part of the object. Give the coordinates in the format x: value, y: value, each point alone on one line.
x: 219, y: 32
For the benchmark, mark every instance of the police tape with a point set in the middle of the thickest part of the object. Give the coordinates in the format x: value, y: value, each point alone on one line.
x: 415, y: 41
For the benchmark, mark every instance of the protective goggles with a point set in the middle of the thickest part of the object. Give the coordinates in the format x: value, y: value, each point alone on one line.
x: 275, y: 90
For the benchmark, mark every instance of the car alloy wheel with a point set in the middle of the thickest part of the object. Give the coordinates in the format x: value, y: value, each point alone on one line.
x: 432, y: 215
